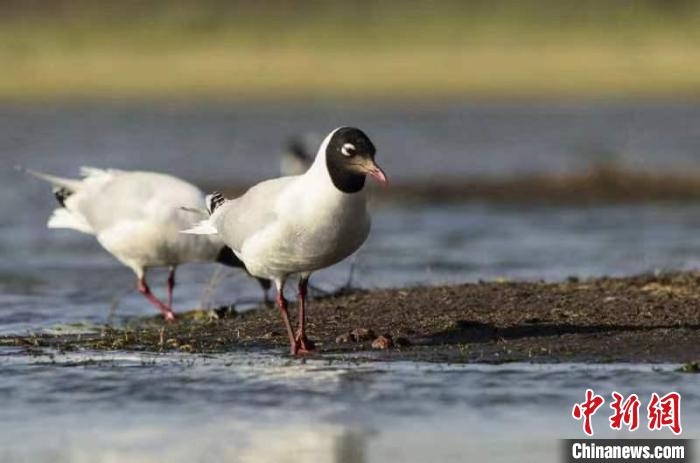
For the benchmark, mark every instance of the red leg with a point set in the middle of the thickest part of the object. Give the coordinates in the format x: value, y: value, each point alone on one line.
x: 146, y: 291
x: 171, y: 285
x: 305, y: 345
x: 282, y: 306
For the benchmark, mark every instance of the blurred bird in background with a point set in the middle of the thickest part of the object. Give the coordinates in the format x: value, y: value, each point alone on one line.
x: 299, y: 154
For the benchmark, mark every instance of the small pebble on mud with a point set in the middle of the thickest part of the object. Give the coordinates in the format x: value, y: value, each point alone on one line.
x: 223, y: 312
x: 383, y: 342
x: 356, y: 335
x: 362, y: 334
x: 691, y: 367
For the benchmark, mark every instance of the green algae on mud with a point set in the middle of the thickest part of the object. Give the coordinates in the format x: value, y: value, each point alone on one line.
x: 646, y: 318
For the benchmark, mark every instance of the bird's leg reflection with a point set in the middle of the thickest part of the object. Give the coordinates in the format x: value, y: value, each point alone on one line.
x: 350, y: 446
x: 171, y: 285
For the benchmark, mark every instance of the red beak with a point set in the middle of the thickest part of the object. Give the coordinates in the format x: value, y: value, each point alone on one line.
x: 378, y: 174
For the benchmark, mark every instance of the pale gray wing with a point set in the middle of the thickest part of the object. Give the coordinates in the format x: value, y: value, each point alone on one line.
x: 136, y: 196
x: 242, y: 217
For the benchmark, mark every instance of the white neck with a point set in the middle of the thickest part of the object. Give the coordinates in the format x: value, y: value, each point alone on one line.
x: 319, y: 176
x: 319, y: 168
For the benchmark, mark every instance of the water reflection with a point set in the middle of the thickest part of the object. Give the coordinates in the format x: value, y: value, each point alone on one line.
x: 317, y: 443
x: 320, y: 443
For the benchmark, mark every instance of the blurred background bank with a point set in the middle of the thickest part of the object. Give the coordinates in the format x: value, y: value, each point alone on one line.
x: 313, y: 50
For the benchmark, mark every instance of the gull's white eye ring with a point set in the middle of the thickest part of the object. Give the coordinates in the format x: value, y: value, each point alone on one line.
x: 348, y: 149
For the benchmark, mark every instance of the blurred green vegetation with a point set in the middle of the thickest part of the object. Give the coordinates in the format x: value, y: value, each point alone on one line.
x: 415, y: 49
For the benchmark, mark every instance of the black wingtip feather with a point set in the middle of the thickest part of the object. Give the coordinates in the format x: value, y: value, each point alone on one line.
x: 61, y: 194
x: 214, y: 200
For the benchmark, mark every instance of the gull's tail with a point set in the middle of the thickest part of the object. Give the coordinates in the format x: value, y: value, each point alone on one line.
x: 206, y: 226
x: 65, y: 186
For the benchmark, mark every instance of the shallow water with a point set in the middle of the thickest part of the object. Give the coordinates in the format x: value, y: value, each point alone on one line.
x: 260, y: 406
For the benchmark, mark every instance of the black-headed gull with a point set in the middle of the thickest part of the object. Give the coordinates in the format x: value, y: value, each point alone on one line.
x: 137, y: 217
x: 300, y: 224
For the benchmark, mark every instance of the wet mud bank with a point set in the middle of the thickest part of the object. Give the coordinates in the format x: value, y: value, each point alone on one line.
x: 647, y: 318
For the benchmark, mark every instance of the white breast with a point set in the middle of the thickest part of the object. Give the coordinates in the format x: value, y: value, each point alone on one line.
x: 316, y: 226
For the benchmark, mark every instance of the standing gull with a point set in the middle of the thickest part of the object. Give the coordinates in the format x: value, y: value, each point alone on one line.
x: 137, y: 217
x: 300, y: 224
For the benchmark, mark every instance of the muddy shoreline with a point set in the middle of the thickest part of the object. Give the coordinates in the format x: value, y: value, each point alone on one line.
x: 647, y: 318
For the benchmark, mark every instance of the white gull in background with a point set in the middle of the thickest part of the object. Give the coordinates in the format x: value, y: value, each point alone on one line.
x: 137, y: 217
x: 299, y: 154
x: 300, y: 224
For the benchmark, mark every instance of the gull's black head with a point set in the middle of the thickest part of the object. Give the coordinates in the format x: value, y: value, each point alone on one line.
x: 350, y: 158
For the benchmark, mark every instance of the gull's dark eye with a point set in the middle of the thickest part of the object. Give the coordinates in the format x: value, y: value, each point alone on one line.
x: 348, y: 150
